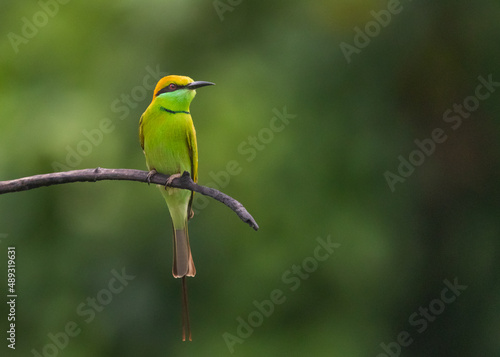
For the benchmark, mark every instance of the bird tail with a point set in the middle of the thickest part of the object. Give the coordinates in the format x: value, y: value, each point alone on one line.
x: 183, y: 264
x: 179, y: 206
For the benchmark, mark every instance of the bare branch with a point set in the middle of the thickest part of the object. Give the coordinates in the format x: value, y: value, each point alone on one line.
x: 98, y: 174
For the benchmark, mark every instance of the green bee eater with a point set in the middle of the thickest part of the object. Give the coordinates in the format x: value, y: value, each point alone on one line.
x: 168, y: 138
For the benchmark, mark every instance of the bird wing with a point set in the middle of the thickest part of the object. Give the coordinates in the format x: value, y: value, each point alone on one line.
x: 193, y: 155
x: 141, y: 134
x: 193, y: 152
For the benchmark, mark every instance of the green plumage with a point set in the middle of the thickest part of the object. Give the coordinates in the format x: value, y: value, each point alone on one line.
x: 168, y: 139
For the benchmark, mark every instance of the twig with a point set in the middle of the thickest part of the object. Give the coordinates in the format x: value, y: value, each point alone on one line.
x: 98, y: 174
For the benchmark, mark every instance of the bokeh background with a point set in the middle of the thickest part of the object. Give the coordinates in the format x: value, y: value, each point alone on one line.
x: 323, y: 175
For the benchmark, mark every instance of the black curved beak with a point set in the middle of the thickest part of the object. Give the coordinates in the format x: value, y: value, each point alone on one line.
x: 199, y: 84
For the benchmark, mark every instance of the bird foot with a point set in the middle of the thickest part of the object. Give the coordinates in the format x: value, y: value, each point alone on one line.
x: 170, y: 179
x: 151, y: 174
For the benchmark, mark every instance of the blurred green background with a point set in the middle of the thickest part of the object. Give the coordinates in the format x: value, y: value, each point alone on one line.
x: 67, y: 68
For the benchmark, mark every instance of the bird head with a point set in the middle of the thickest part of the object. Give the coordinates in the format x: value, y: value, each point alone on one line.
x: 177, y: 92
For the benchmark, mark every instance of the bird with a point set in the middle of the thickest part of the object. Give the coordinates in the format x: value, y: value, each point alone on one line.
x: 168, y: 139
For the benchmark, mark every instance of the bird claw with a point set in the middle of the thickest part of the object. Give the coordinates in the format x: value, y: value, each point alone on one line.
x: 170, y: 179
x: 151, y: 174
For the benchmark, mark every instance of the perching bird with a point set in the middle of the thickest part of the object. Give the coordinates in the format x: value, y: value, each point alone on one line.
x: 168, y: 138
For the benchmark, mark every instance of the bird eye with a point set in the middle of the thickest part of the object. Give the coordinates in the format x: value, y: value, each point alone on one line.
x: 172, y: 86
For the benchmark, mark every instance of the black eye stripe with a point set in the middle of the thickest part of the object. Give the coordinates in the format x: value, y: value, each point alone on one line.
x: 168, y: 89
